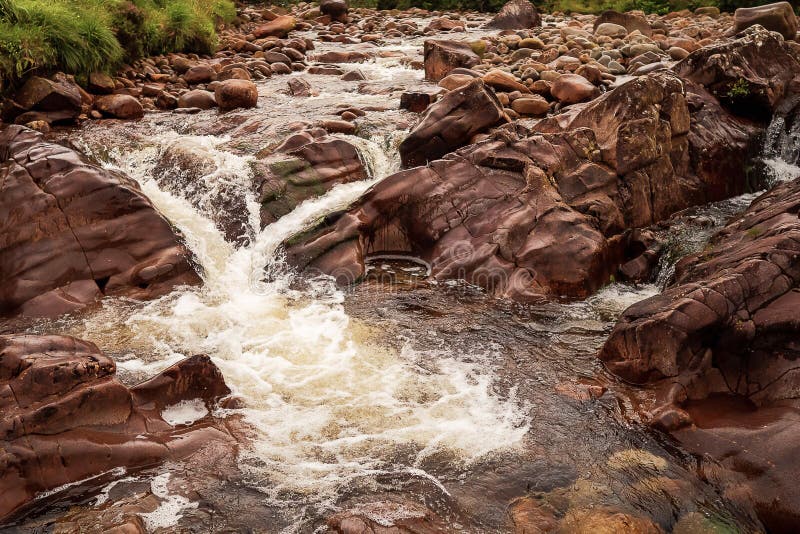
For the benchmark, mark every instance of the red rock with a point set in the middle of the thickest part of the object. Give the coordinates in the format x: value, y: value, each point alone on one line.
x: 629, y: 21
x: 279, y: 27
x: 304, y: 166
x: 232, y: 94
x: 778, y: 17
x: 197, y: 98
x: 335, y: 9
x: 71, y: 231
x: 451, y: 122
x: 200, y: 74
x: 573, y: 88
x: 69, y: 418
x: 441, y: 57
x: 119, y: 106
x: 387, y: 517
x: 415, y: 101
x: 101, y: 83
x: 516, y: 15
x: 57, y: 94
x: 504, y: 81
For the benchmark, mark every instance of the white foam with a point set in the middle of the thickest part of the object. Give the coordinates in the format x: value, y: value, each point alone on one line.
x: 185, y: 412
x: 171, y: 508
x: 328, y: 405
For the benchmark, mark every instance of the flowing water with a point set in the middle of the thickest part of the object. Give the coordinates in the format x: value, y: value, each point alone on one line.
x: 433, y: 392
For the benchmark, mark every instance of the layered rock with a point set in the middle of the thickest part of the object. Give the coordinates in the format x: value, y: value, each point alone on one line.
x: 778, y: 17
x: 306, y: 165
x: 71, y: 232
x: 749, y: 75
x: 719, y: 348
x: 516, y: 15
x: 67, y: 418
x: 537, y: 213
x: 451, y: 122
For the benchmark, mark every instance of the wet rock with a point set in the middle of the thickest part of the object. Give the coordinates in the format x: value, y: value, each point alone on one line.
x: 454, y: 81
x: 530, y: 105
x: 305, y: 166
x: 57, y: 94
x: 749, y: 75
x: 504, y: 81
x: 441, y: 57
x: 609, y: 29
x: 445, y: 24
x: 70, y: 419
x: 718, y: 349
x: 299, y: 87
x: 353, y: 76
x: 197, y: 98
x: 343, y: 56
x: 605, y: 521
x: 119, y: 106
x: 233, y: 94
x: 630, y: 21
x: 415, y: 101
x: 73, y: 231
x: 101, y: 83
x: 530, y: 515
x: 387, y: 517
x: 573, y: 88
x: 488, y: 214
x: 335, y: 9
x: 451, y: 122
x: 516, y: 15
x: 778, y: 17
x: 334, y: 126
x: 279, y: 27
x: 200, y: 74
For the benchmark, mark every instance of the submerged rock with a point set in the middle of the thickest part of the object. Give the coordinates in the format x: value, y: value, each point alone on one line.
x: 388, y: 517
x: 71, y: 232
x: 66, y: 417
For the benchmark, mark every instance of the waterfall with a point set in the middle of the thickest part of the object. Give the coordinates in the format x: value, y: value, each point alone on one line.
x: 780, y: 154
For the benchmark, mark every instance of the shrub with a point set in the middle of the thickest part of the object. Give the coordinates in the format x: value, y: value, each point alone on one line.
x: 81, y: 36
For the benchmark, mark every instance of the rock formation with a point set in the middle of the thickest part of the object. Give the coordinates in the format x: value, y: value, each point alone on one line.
x: 67, y: 418
x: 71, y: 232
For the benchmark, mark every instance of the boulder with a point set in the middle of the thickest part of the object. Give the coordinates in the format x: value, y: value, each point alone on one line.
x: 197, y: 98
x: 454, y: 81
x: 202, y: 73
x: 60, y: 93
x: 441, y: 57
x: 749, y: 75
x: 778, y: 17
x: 490, y: 214
x: 416, y: 102
x: 100, y: 83
x: 668, y: 156
x: 516, y: 15
x: 504, y: 81
x: 67, y: 418
x: 232, y: 94
x: 573, y: 88
x: 630, y: 21
x: 119, y: 106
x: 718, y: 351
x: 305, y: 165
x: 279, y: 27
x: 530, y: 105
x: 335, y: 9
x: 609, y: 29
x: 71, y: 231
x: 451, y: 122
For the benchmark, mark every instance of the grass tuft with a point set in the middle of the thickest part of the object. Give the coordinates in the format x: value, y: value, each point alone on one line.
x: 82, y: 36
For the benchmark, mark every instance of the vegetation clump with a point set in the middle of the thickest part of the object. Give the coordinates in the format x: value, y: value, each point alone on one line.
x: 82, y: 36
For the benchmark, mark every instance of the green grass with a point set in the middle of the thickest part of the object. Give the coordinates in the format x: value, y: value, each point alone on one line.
x: 81, y: 36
